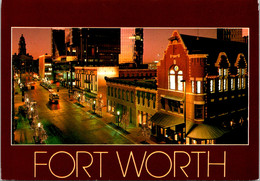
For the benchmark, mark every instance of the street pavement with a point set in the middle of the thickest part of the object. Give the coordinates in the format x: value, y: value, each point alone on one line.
x: 69, y: 122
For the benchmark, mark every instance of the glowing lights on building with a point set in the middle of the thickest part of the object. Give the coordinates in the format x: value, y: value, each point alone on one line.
x: 127, y: 45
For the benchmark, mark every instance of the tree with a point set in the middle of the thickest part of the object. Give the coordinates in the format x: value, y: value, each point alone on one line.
x: 125, y: 120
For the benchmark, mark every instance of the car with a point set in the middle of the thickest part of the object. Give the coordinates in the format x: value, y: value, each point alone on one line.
x: 53, y: 97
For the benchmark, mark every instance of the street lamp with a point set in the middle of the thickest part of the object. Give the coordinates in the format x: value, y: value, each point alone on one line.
x: 94, y: 105
x: 184, y: 106
x: 118, y: 114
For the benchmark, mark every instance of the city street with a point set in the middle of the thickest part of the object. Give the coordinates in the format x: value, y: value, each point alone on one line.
x: 70, y: 123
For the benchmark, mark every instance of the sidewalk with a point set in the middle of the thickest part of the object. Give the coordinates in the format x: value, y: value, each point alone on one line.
x: 134, y: 133
x: 23, y: 134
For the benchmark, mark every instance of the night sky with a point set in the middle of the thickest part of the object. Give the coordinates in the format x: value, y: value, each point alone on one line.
x: 38, y: 40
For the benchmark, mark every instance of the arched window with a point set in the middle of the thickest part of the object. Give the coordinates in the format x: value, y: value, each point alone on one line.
x: 223, y: 69
x: 241, y: 65
x: 180, y: 78
x: 175, y: 78
x: 172, y: 79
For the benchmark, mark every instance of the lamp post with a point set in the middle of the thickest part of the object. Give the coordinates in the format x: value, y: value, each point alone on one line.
x: 94, y: 105
x: 184, y: 107
x: 118, y: 114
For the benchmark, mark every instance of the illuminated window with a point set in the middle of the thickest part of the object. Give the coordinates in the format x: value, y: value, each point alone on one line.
x: 180, y: 78
x: 192, y: 86
x: 239, y: 71
x: 198, y: 87
x: 220, y: 85
x: 172, y: 79
x: 243, y: 71
x: 225, y: 85
x: 220, y: 71
x: 225, y: 72
x: 239, y: 83
x: 232, y: 84
x: 212, y: 86
x: 243, y: 82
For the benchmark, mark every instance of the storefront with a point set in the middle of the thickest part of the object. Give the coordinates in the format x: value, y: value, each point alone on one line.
x: 168, y: 128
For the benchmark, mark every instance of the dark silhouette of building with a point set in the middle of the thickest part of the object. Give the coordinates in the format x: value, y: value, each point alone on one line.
x: 94, y: 46
x: 138, y: 48
x: 22, y: 62
x: 58, y: 43
x: 22, y: 46
x: 230, y: 35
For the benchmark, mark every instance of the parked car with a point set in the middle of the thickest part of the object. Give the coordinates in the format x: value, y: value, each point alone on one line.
x: 53, y: 97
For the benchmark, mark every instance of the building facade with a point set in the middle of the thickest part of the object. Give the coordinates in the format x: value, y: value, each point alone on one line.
x: 91, y: 80
x: 142, y: 73
x: 231, y: 35
x: 204, y: 82
x: 133, y: 99
x: 45, y: 66
x: 200, y: 95
x: 94, y: 46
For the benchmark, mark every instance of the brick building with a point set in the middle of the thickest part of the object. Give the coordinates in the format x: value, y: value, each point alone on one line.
x: 91, y: 80
x: 133, y: 98
x: 200, y: 95
x: 216, y: 95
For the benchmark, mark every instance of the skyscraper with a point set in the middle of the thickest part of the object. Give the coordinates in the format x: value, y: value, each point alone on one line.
x: 138, y: 50
x: 127, y: 45
x: 94, y: 46
x: 58, y: 42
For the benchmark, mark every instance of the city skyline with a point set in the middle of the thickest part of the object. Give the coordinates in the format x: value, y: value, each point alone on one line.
x: 38, y: 40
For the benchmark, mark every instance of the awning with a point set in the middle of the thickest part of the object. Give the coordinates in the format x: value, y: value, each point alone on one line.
x: 90, y: 95
x: 175, y: 98
x: 205, y: 131
x: 166, y: 120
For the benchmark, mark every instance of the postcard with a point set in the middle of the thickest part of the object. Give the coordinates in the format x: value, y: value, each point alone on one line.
x: 91, y: 95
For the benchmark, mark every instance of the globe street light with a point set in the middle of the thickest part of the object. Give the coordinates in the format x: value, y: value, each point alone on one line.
x: 118, y: 114
x: 94, y: 105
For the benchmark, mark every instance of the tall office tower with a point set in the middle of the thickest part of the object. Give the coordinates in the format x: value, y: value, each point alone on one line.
x: 58, y: 42
x: 94, y: 46
x: 22, y: 46
x: 138, y: 49
x: 127, y: 45
x: 230, y: 34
